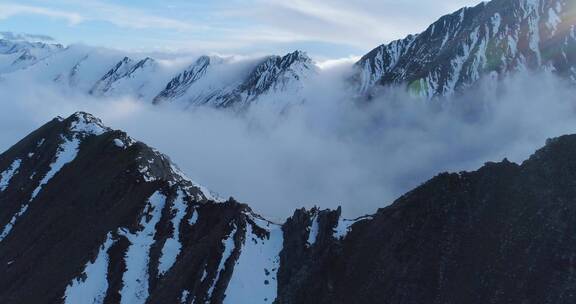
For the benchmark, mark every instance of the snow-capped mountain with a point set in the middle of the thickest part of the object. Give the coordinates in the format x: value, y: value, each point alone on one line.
x: 209, y: 80
x: 90, y: 215
x: 179, y: 85
x: 17, y: 53
x: 271, y: 75
x: 127, y: 77
x: 494, y: 38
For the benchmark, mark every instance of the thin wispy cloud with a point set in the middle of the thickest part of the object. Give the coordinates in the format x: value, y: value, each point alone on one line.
x: 121, y: 16
x: 8, y: 10
x: 362, y: 23
x: 325, y: 28
x: 134, y: 18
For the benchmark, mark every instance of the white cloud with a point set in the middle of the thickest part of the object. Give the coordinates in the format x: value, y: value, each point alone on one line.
x: 133, y: 18
x: 10, y: 10
x: 328, y: 152
x: 334, y: 63
x: 362, y: 23
x: 234, y: 25
x: 118, y: 15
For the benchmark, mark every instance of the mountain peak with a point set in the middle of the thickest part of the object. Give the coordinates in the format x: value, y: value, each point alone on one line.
x: 297, y: 55
x: 86, y: 123
x: 114, y: 201
x: 497, y: 37
x: 179, y: 85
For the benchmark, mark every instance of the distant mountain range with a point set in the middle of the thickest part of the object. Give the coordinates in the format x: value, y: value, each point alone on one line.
x: 493, y: 39
x: 210, y: 80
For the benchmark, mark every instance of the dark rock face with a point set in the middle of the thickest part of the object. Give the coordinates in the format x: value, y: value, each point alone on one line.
x: 502, y: 234
x: 91, y: 216
x: 309, y: 245
x: 493, y: 38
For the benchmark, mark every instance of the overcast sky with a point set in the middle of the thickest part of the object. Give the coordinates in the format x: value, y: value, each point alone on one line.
x: 324, y: 28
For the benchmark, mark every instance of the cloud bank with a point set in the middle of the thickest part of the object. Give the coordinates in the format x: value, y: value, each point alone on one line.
x: 331, y: 151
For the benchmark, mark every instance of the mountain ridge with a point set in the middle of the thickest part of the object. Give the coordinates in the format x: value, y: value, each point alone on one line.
x: 123, y: 211
x: 231, y: 83
x: 491, y: 39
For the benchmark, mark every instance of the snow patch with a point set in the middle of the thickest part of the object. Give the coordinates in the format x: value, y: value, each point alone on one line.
x: 193, y: 218
x: 313, y: 232
x: 343, y: 228
x: 184, y: 297
x: 7, y: 175
x: 87, y: 124
x: 172, y: 246
x: 255, y: 273
x: 118, y: 143
x: 8, y: 228
x: 135, y: 279
x: 228, y: 249
x: 91, y: 287
x: 67, y: 152
x: 145, y: 171
x: 553, y: 20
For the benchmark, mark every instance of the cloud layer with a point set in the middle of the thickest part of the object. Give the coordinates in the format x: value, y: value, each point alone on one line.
x: 330, y: 151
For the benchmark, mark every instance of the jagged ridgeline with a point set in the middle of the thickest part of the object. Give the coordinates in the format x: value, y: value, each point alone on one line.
x: 220, y: 82
x: 492, y: 39
x: 89, y: 215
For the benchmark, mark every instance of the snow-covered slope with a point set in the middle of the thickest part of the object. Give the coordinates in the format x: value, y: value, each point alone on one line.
x: 130, y: 78
x: 17, y: 54
x: 200, y: 83
x: 494, y: 38
x: 100, y: 72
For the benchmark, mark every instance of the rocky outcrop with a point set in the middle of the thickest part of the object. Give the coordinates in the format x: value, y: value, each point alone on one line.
x: 501, y: 234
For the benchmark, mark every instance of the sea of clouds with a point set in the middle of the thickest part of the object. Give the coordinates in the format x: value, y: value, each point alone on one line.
x: 333, y: 150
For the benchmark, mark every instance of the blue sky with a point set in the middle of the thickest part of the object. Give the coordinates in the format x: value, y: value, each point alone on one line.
x: 326, y: 29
